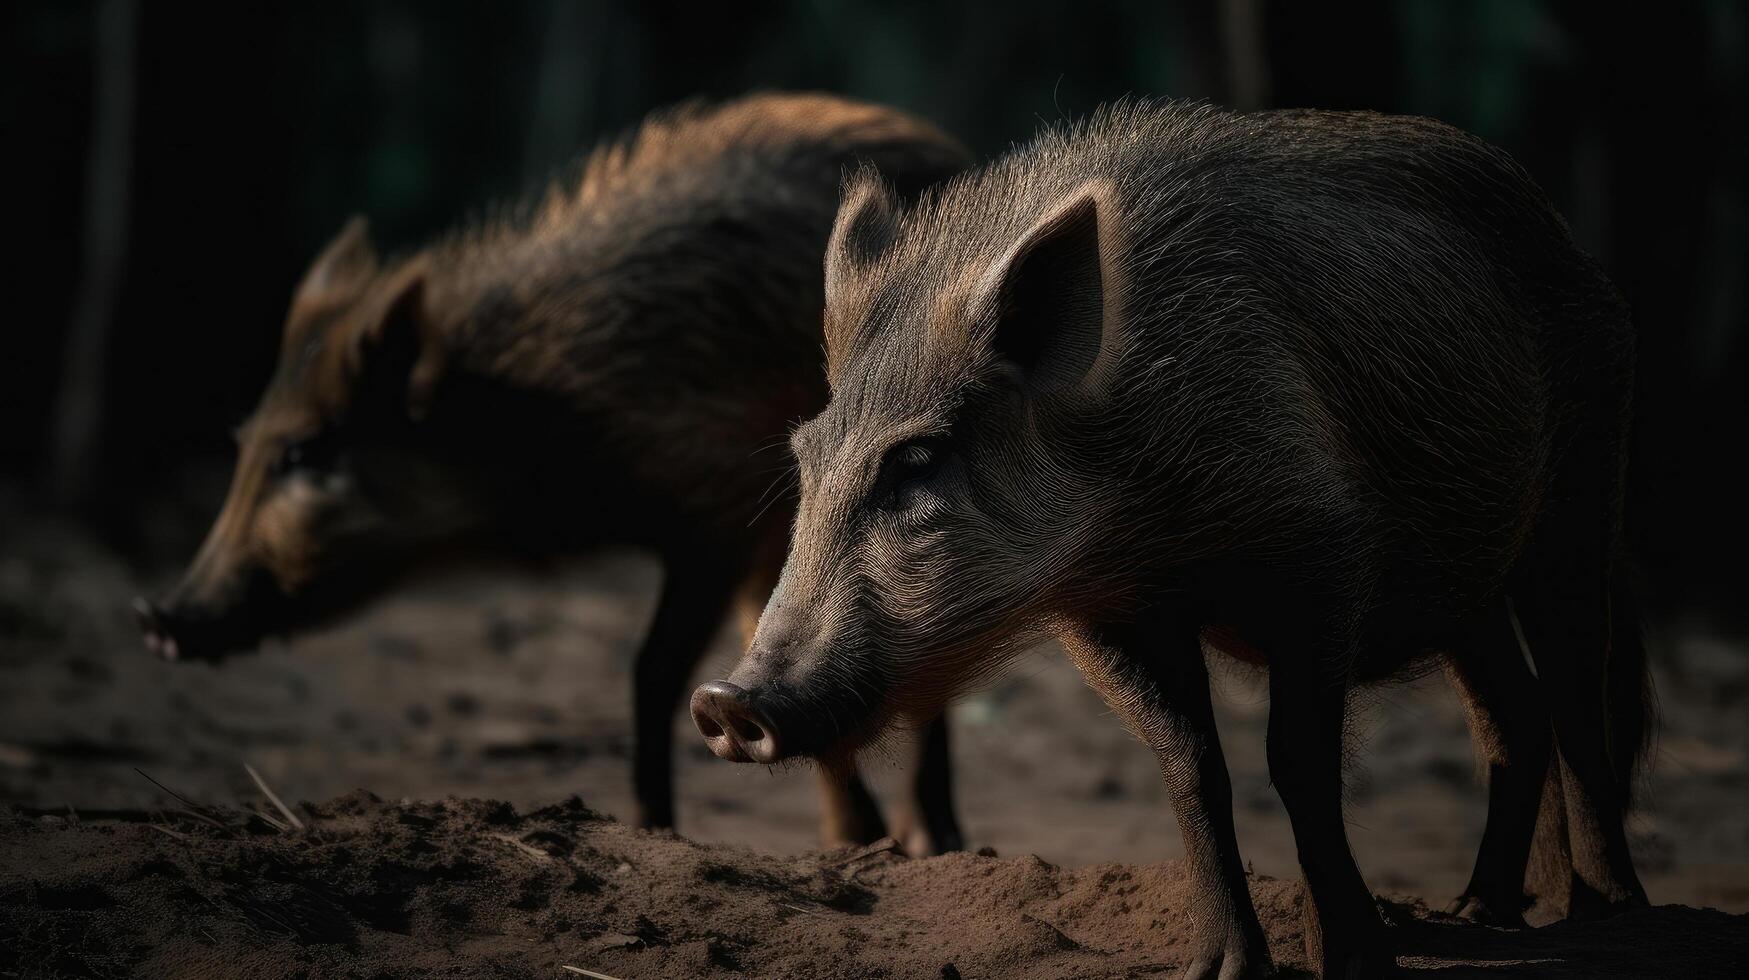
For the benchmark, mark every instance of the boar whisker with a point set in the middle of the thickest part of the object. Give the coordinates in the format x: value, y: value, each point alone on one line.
x: 768, y: 497
x: 774, y: 443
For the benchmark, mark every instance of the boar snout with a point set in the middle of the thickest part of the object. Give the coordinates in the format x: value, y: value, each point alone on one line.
x: 174, y: 633
x: 733, y: 728
x: 155, y: 629
x: 200, y: 620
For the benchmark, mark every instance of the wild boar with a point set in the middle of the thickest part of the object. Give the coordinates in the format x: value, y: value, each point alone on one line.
x: 604, y: 367
x: 1334, y: 393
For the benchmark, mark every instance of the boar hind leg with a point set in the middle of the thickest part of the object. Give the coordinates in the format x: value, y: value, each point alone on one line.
x: 1510, y: 728
x: 1307, y: 712
x: 1164, y: 700
x: 695, y: 595
x: 1583, y: 631
x: 923, y: 820
x: 1572, y: 641
x: 1549, y: 878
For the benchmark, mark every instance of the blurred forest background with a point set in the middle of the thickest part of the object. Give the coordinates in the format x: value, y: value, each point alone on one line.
x: 175, y: 166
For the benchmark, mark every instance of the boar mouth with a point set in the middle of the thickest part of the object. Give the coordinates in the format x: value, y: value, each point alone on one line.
x: 183, y: 629
x: 177, y: 634
x: 189, y: 627
x: 765, y: 725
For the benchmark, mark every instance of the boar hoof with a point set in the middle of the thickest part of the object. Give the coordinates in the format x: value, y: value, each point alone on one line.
x: 1587, y: 904
x: 918, y: 840
x: 852, y: 826
x: 1235, y: 963
x: 1504, y: 915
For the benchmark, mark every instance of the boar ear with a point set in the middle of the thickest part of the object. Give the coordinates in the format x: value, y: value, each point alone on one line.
x: 400, y: 348
x: 1051, y: 301
x: 867, y: 220
x: 347, y: 262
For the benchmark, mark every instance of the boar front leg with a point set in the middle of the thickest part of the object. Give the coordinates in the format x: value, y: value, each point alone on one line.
x: 924, y: 820
x: 1307, y: 711
x: 695, y: 596
x: 1164, y: 700
x: 849, y: 814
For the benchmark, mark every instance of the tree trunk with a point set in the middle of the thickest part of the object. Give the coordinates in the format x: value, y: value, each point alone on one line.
x: 77, y: 420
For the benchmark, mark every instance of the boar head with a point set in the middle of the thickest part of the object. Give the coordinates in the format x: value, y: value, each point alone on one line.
x: 332, y: 484
x: 947, y: 492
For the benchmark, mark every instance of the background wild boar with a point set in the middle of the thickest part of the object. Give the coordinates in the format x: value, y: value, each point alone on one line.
x: 603, y: 368
x: 1334, y: 393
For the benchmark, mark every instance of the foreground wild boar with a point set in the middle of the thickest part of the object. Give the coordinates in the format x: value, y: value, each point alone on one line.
x: 606, y: 368
x: 1321, y: 391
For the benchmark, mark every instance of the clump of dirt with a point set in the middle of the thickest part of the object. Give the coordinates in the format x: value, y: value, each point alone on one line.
x: 472, y: 888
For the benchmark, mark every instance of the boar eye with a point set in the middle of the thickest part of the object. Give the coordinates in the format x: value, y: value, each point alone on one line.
x: 302, y: 455
x: 909, y: 465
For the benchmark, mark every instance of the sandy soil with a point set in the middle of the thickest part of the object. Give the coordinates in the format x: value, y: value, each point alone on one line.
x: 508, y: 685
x: 469, y: 888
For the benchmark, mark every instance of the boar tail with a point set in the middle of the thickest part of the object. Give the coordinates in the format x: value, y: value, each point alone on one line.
x: 1633, y: 704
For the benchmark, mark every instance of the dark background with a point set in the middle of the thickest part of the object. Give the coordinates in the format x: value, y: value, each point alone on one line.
x: 174, y: 167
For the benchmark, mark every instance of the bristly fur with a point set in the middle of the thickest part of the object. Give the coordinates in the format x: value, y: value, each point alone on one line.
x: 1326, y: 388
x: 674, y: 277
x: 600, y: 366
x: 1345, y: 332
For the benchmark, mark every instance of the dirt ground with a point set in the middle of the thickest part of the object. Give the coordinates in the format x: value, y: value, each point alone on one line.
x: 505, y: 684
x: 469, y: 888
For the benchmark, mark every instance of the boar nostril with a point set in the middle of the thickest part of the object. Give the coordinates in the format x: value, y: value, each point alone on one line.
x: 731, y: 726
x: 747, y: 728
x: 154, y: 630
